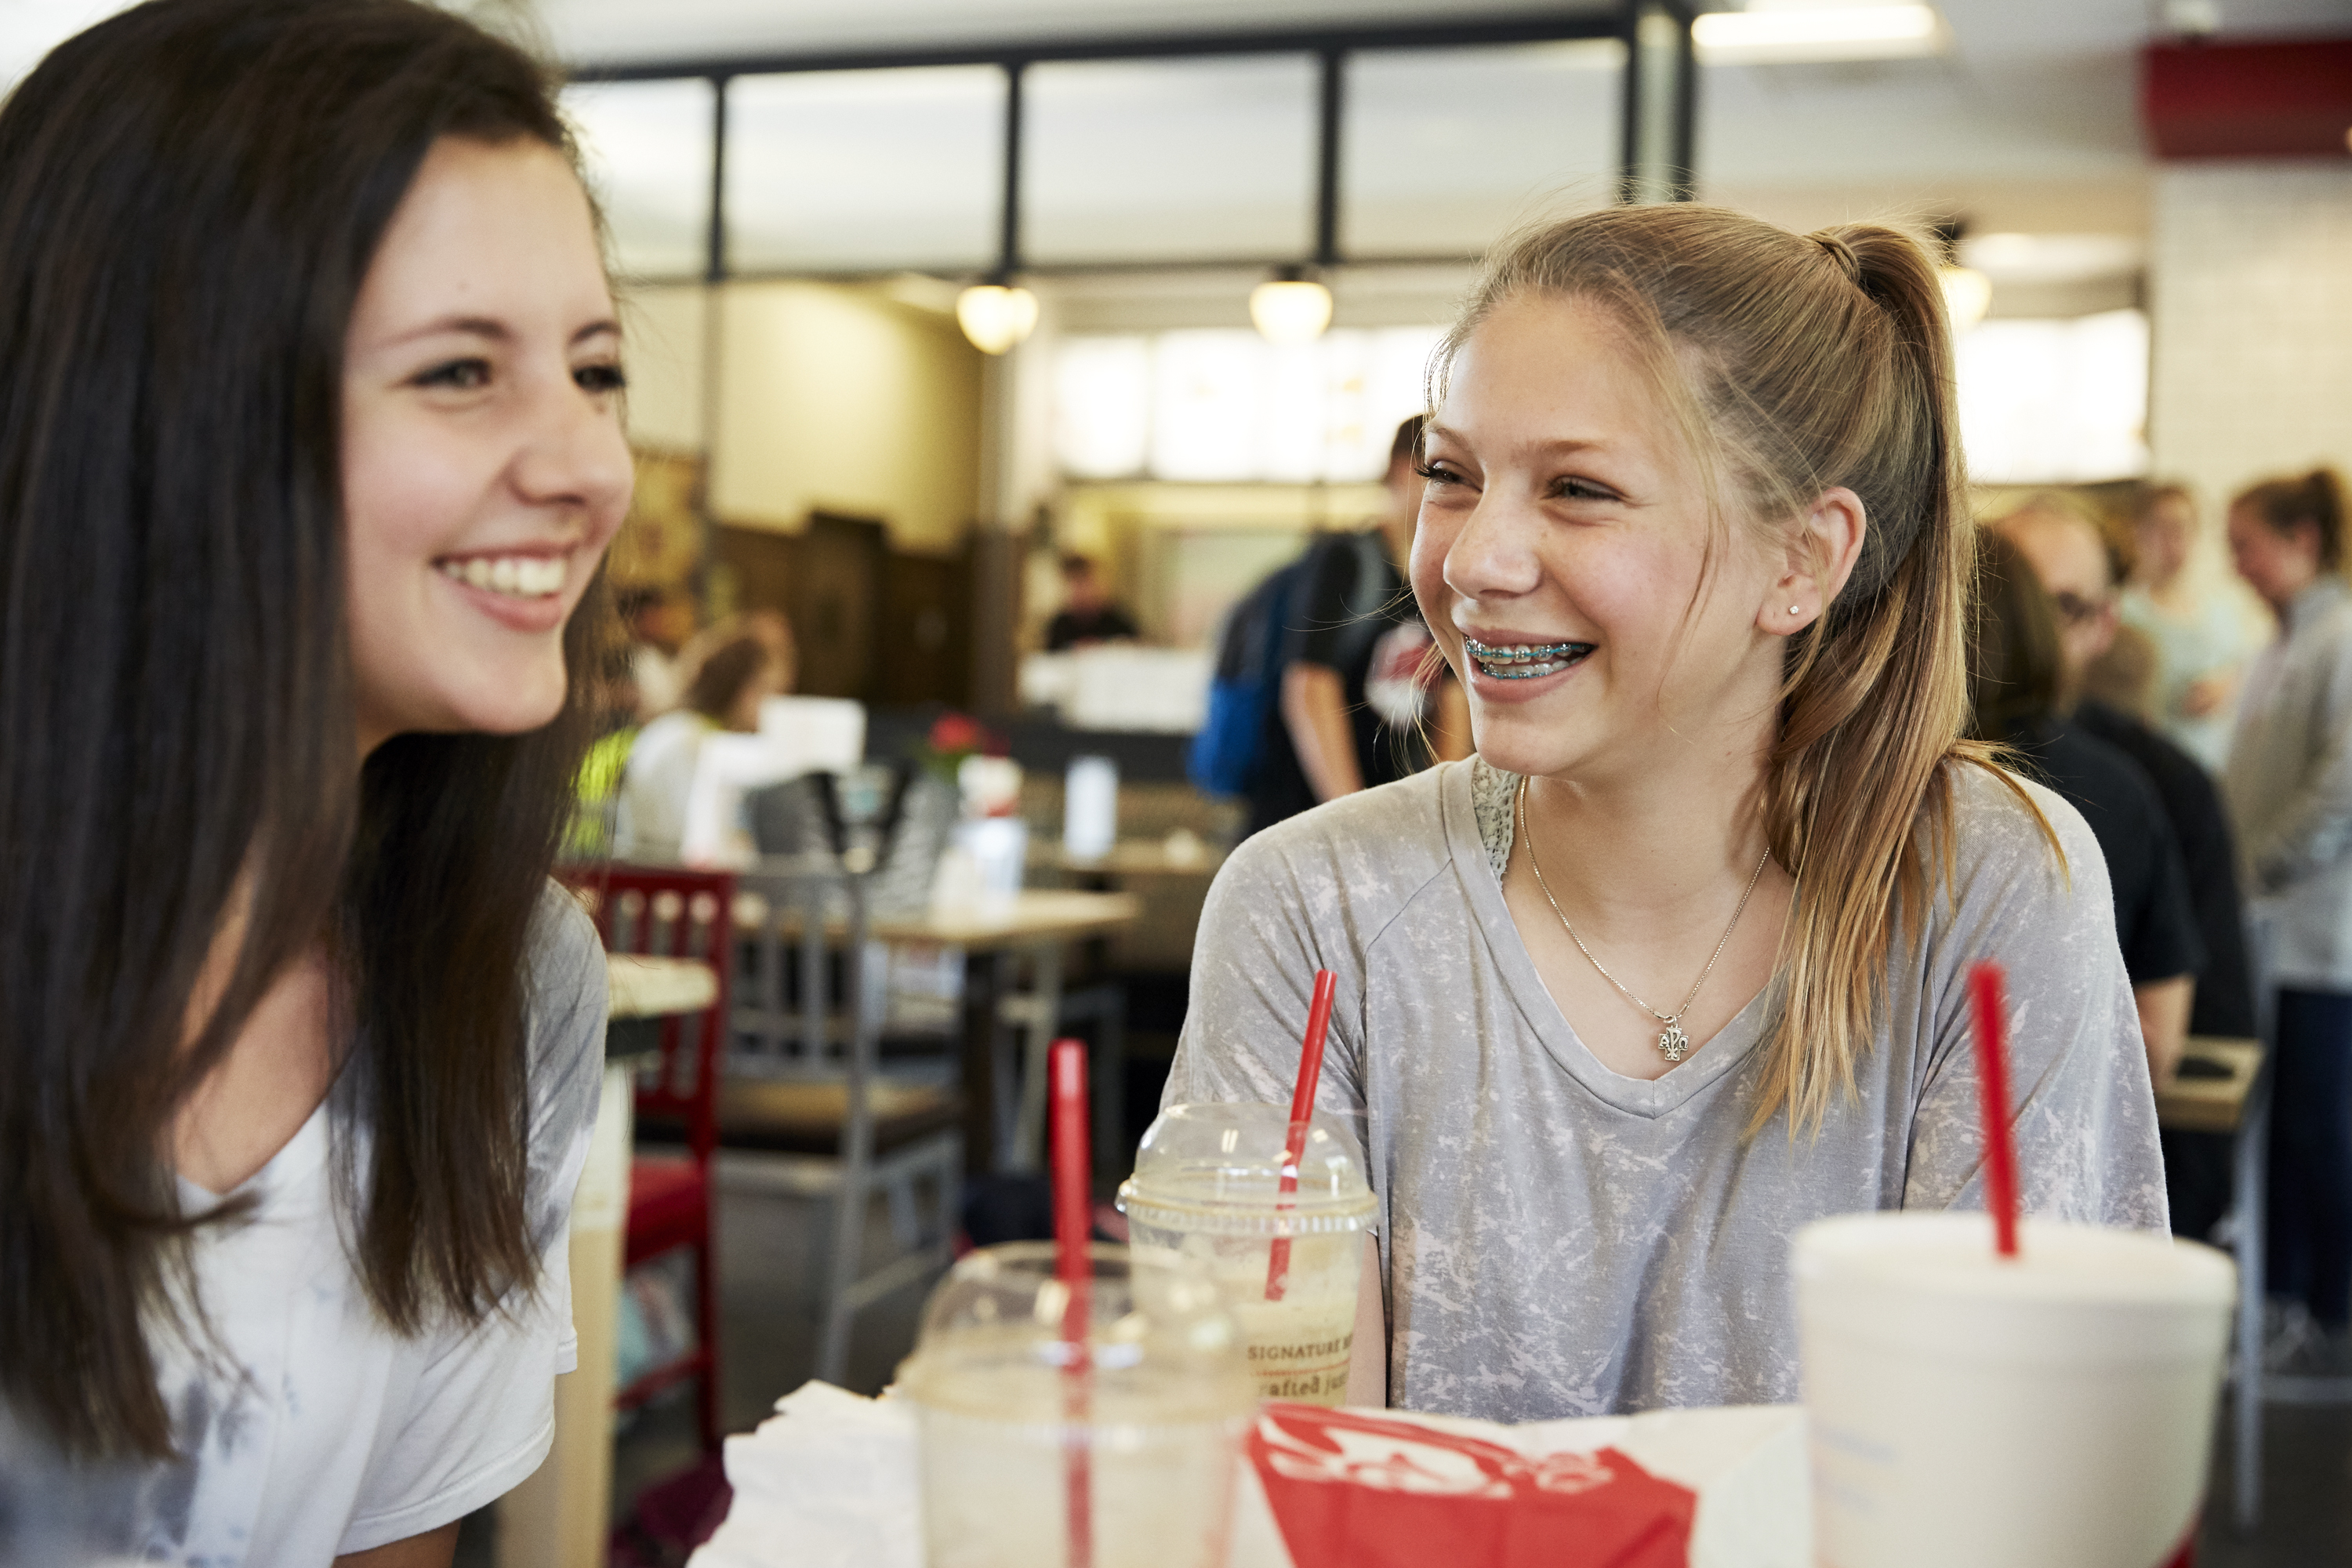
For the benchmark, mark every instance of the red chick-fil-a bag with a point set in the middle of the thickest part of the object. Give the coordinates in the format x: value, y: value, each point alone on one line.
x: 1350, y: 1490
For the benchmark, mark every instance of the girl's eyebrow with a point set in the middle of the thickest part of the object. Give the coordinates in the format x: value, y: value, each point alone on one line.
x: 496, y: 331
x: 1556, y: 445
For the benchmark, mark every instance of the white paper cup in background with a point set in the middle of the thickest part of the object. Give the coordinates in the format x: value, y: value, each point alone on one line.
x: 999, y: 847
x: 1089, y: 808
x: 2055, y: 1410
x: 1207, y: 1187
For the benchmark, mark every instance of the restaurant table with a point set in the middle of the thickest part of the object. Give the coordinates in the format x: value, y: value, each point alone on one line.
x: 1004, y: 1095
x: 559, y: 1517
x: 2224, y: 1086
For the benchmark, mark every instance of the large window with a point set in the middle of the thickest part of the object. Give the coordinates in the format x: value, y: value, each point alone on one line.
x: 864, y: 171
x: 1228, y: 406
x: 1443, y: 150
x: 647, y: 146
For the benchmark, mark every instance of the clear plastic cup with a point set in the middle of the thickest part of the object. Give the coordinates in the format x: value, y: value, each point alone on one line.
x: 1166, y: 1401
x: 2055, y: 1410
x: 1207, y: 1187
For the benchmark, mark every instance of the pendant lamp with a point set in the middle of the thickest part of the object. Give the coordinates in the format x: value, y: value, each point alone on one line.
x: 996, y: 316
x: 1290, y: 308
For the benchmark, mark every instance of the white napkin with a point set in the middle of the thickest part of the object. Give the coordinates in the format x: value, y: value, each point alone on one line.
x: 828, y: 1481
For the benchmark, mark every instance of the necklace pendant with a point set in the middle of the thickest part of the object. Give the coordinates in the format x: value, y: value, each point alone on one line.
x: 1673, y: 1045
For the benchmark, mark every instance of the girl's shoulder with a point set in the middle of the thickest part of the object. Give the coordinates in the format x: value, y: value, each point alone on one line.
x: 568, y: 1001
x: 2019, y: 842
x: 1377, y: 845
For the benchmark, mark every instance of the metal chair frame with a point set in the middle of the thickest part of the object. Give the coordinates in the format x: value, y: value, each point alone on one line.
x: 813, y: 906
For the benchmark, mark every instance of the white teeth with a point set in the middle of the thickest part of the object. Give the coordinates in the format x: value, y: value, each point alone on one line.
x: 522, y: 576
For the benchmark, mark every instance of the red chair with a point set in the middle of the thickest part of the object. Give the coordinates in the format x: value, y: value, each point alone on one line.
x: 674, y: 913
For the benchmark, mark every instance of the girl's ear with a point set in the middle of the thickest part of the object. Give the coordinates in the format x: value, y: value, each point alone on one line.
x: 1821, y: 555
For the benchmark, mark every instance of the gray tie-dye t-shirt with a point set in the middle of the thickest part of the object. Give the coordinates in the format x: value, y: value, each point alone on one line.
x: 1557, y: 1239
x: 333, y: 1434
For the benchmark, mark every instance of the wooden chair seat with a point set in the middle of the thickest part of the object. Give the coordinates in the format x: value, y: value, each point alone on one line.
x: 788, y: 1116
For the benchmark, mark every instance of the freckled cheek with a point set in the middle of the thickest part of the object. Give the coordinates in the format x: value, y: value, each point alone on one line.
x: 1432, y: 537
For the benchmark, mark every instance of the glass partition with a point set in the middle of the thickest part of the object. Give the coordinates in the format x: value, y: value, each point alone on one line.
x: 864, y: 171
x: 1443, y: 151
x: 647, y: 147
x: 1169, y: 161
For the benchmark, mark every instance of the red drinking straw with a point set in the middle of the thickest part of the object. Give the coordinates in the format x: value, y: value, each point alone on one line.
x: 1073, y: 1267
x: 1302, y: 1117
x: 1992, y: 1080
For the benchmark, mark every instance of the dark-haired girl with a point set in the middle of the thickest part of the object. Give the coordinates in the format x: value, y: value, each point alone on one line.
x: 309, y: 454
x: 2289, y: 789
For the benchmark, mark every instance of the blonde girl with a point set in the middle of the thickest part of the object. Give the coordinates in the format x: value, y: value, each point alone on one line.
x: 1677, y: 962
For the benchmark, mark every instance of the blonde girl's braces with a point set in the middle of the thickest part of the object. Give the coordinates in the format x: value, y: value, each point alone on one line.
x: 1524, y: 661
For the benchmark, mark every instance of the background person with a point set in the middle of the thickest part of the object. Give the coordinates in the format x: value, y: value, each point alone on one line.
x: 1608, y: 1046
x: 2074, y: 554
x: 2016, y: 676
x: 2289, y: 788
x: 1360, y: 700
x: 312, y: 448
x: 2078, y: 563
x: 2200, y: 639
x: 1088, y: 615
x: 727, y: 677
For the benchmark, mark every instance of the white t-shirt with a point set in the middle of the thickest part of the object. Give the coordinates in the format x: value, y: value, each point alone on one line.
x: 330, y: 1433
x: 650, y: 824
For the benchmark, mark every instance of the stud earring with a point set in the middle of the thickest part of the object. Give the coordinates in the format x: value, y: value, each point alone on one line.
x: 1795, y: 610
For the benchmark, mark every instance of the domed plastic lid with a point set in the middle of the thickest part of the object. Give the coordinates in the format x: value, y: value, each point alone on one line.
x: 1161, y: 1349
x: 1218, y: 1168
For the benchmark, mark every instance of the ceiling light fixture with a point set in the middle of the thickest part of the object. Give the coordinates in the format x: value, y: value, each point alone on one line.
x: 995, y: 316
x: 1798, y: 34
x: 1290, y: 308
x: 997, y: 313
x: 1968, y: 293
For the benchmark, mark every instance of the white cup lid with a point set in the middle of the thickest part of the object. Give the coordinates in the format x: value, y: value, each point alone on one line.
x: 1219, y: 1168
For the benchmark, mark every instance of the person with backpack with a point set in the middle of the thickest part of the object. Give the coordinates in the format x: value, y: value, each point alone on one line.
x: 1326, y: 684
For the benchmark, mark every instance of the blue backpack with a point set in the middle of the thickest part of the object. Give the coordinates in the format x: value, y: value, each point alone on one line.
x: 1226, y: 752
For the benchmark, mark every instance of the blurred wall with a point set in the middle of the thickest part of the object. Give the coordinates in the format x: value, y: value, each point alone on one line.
x: 2250, y: 282
x: 829, y: 398
x: 661, y: 333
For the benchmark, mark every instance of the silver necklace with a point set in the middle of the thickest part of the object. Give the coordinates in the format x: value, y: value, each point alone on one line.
x: 1673, y: 1044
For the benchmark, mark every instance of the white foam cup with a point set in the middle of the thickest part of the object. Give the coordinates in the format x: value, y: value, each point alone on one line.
x: 2055, y: 1410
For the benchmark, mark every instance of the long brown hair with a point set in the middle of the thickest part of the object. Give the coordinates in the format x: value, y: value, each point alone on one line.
x: 190, y: 195
x: 1792, y: 365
